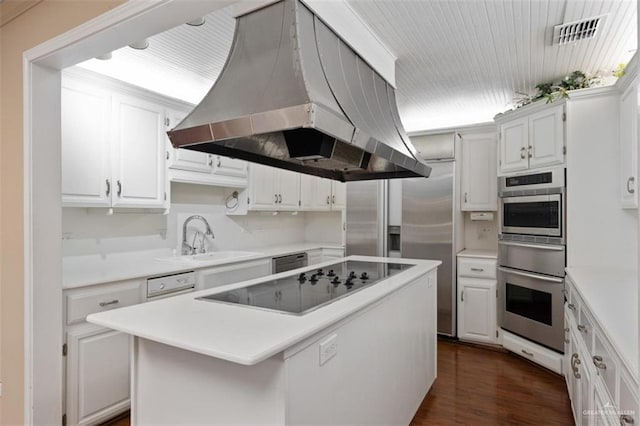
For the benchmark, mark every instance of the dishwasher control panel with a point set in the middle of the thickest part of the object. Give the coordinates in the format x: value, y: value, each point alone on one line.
x: 170, y: 284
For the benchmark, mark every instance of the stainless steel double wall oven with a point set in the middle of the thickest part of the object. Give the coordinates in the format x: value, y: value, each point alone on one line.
x: 532, y: 256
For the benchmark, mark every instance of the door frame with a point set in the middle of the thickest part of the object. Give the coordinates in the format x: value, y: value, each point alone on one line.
x: 42, y: 65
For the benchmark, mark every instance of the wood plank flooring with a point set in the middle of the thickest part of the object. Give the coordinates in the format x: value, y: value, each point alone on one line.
x: 482, y: 386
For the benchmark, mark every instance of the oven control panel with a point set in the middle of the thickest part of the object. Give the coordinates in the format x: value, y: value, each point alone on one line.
x: 170, y: 284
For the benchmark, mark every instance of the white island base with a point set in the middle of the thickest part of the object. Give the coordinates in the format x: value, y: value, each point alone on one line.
x: 372, y: 366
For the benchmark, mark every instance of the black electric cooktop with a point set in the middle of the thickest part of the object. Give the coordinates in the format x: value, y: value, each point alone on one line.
x: 301, y: 293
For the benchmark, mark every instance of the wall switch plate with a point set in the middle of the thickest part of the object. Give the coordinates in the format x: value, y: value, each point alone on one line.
x: 328, y: 348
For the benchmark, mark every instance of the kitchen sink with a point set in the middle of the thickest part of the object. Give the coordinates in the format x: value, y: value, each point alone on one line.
x: 213, y: 256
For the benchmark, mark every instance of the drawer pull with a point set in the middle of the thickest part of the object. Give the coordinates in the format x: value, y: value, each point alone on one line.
x: 626, y: 419
x: 575, y: 360
x: 527, y: 353
x: 571, y: 306
x: 597, y: 361
x: 478, y: 269
x: 582, y: 328
x: 110, y: 302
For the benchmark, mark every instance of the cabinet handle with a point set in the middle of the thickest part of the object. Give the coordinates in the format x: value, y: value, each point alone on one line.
x: 530, y: 151
x: 119, y: 188
x: 626, y: 419
x: 597, y: 361
x: 575, y: 360
x: 108, y: 187
x: 571, y: 306
x: 167, y: 156
x: 478, y: 269
x: 526, y: 353
x: 276, y: 195
x: 210, y: 161
x: 328, y: 200
x: 219, y: 162
x: 333, y: 199
x: 565, y: 292
x: 522, y: 154
x: 630, y: 181
x: 462, y: 296
x: 582, y: 328
x: 110, y: 302
x: 280, y: 198
x: 566, y: 340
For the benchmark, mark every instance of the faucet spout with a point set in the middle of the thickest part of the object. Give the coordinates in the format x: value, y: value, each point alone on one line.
x: 188, y: 248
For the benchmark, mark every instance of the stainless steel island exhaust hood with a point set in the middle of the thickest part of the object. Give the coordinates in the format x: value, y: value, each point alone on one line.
x: 293, y: 95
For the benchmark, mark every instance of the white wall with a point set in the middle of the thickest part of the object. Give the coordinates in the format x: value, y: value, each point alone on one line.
x: 90, y: 231
x: 599, y: 232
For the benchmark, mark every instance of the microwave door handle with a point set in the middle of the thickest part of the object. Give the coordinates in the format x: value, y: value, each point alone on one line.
x: 534, y: 276
x: 535, y: 246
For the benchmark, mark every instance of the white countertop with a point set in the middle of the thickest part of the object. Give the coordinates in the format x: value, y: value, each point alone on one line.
x: 80, y: 271
x: 240, y: 334
x: 484, y: 254
x: 611, y: 294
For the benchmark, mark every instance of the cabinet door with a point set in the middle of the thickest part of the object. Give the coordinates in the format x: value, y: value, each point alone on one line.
x: 629, y: 147
x: 339, y: 194
x: 186, y: 159
x: 288, y: 190
x: 97, y: 374
x: 86, y: 174
x: 230, y: 166
x: 546, y: 138
x: 138, y: 153
x: 479, y: 179
x: 477, y: 310
x: 513, y: 145
x: 308, y: 193
x: 322, y: 192
x: 262, y: 187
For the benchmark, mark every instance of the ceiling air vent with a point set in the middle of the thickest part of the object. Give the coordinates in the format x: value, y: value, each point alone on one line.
x: 572, y: 32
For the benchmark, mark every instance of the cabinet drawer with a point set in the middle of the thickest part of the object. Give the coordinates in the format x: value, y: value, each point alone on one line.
x: 81, y: 303
x: 573, y: 302
x: 476, y: 268
x: 535, y: 353
x: 585, y: 326
x: 604, y: 358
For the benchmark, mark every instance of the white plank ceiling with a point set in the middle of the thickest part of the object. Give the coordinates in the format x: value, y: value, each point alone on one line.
x: 458, y: 61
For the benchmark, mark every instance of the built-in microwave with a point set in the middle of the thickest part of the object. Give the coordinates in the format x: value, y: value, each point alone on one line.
x: 533, y: 204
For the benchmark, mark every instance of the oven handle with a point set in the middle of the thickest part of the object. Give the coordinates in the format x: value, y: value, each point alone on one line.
x: 535, y: 276
x: 534, y: 246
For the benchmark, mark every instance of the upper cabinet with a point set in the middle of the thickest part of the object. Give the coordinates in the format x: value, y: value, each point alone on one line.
x: 112, y: 148
x: 273, y: 189
x: 629, y: 146
x: 479, y: 179
x: 320, y: 194
x: 531, y: 140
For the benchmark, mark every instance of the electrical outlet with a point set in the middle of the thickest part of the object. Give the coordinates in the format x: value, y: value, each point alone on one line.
x: 328, y: 348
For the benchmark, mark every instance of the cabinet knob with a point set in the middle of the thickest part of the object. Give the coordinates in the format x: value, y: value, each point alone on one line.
x: 333, y: 199
x: 630, y: 182
x: 598, y: 362
x: 582, y: 328
x: 571, y: 306
x: 465, y: 197
x: 328, y: 200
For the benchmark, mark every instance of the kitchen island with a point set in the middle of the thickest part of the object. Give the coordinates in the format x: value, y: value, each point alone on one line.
x: 364, y: 356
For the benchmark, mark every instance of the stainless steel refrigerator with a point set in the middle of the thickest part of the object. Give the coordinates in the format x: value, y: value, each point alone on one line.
x: 429, y: 227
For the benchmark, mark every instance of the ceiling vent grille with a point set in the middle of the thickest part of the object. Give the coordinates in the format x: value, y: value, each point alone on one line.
x: 573, y: 32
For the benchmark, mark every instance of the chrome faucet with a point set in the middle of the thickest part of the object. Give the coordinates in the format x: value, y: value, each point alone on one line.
x: 191, y: 249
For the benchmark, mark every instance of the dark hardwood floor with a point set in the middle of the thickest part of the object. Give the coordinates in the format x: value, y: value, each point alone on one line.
x: 483, y: 386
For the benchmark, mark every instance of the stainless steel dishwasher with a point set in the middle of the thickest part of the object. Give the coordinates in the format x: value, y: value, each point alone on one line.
x: 289, y: 262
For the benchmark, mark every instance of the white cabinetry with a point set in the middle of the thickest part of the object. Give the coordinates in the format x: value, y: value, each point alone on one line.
x: 320, y: 194
x: 113, y: 145
x: 138, y: 153
x: 273, y: 189
x: 533, y: 138
x: 97, y: 358
x: 477, y: 299
x: 186, y: 159
x: 602, y: 389
x: 629, y: 146
x: 479, y: 178
x: 324, y: 255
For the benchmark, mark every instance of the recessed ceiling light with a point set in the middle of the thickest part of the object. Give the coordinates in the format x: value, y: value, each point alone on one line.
x: 197, y: 22
x: 140, y: 45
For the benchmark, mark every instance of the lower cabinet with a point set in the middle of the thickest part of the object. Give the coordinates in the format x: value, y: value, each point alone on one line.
x: 97, y: 358
x: 477, y: 295
x: 324, y: 255
x: 97, y: 374
x: 234, y: 273
x: 601, y: 388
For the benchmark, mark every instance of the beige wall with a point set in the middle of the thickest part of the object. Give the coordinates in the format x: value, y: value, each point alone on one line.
x: 41, y: 22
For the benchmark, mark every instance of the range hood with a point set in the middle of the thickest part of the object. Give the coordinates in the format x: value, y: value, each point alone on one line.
x: 293, y: 95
